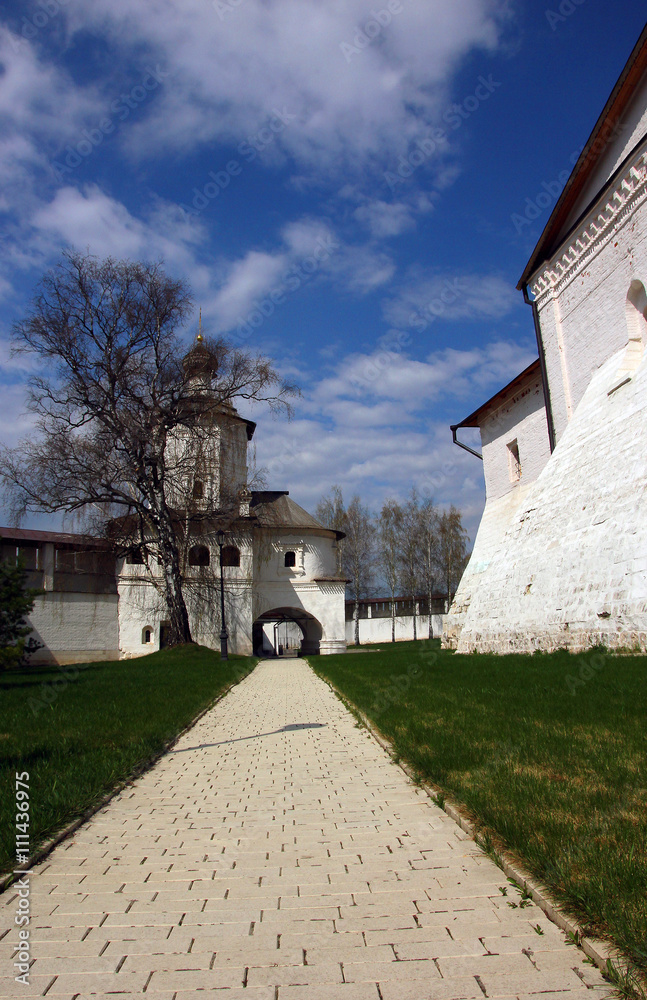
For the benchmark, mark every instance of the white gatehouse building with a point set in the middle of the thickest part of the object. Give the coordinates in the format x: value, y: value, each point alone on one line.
x: 280, y: 564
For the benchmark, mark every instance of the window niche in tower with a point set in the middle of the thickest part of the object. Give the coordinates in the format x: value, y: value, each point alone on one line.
x: 514, y: 462
x: 230, y: 556
x: 199, y: 556
x: 290, y: 560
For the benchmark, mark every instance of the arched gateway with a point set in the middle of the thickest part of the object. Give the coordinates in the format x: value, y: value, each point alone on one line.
x: 272, y: 628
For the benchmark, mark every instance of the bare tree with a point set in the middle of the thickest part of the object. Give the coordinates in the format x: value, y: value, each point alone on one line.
x: 357, y: 548
x: 410, y: 552
x: 452, y: 551
x: 331, y: 512
x: 389, y: 541
x: 122, y: 417
x: 429, y: 541
x: 358, y: 554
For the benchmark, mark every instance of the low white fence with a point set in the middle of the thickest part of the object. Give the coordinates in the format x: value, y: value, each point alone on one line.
x: 379, y: 629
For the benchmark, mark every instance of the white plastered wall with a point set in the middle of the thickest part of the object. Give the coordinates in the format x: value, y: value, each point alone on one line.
x: 521, y: 418
x: 569, y: 567
x: 75, y: 628
x: 581, y: 294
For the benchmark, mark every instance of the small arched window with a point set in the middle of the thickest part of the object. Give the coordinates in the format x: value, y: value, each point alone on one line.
x: 198, y: 489
x: 230, y: 556
x: 147, y: 635
x: 636, y: 315
x: 135, y: 557
x: 290, y: 559
x: 199, y: 556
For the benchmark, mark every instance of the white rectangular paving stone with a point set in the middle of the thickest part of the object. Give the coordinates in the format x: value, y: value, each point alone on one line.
x: 277, y: 853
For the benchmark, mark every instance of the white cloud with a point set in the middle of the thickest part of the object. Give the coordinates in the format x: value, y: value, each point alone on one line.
x: 368, y: 381
x: 310, y: 250
x: 40, y: 107
x: 376, y: 413
x: 384, y: 219
x: 248, y: 280
x: 424, y: 298
x: 232, y: 66
x: 90, y: 219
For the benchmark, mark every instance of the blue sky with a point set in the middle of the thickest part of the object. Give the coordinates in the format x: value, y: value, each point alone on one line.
x: 349, y: 187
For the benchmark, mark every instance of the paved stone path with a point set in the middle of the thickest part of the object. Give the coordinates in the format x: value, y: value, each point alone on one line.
x: 276, y: 853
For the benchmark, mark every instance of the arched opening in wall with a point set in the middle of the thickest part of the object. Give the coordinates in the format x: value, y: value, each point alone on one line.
x: 135, y: 557
x: 147, y: 636
x: 290, y: 559
x: 198, y: 489
x: 636, y: 316
x: 286, y: 632
x: 199, y: 556
x: 230, y: 555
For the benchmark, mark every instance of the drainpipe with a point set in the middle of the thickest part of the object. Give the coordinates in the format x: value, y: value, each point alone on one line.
x: 453, y: 428
x: 542, y: 365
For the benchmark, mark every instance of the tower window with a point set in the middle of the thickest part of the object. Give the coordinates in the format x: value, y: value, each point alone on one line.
x: 230, y: 556
x: 147, y: 635
x: 199, y: 556
x: 514, y: 463
x: 198, y: 489
x: 135, y: 557
x: 290, y: 559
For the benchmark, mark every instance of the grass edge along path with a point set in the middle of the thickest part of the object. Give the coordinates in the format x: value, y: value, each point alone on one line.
x: 428, y: 703
x: 82, y: 732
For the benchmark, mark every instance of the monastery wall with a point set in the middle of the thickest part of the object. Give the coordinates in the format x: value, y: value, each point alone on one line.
x: 522, y: 418
x: 75, y: 627
x: 582, y: 292
x: 142, y: 608
x: 379, y: 629
x: 571, y: 568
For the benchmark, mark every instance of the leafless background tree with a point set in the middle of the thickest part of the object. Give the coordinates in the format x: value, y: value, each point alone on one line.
x: 357, y: 548
x: 389, y: 536
x: 111, y: 398
x: 411, y: 548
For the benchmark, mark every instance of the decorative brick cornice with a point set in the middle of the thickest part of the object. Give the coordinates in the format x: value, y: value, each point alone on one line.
x: 611, y: 211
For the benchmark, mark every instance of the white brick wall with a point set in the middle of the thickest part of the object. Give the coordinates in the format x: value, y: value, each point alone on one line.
x: 75, y: 628
x: 563, y: 561
x: 570, y: 568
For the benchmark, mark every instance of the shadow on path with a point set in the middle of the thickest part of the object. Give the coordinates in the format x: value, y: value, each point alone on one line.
x: 255, y: 736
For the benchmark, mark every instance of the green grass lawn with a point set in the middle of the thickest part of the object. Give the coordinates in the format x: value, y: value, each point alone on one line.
x: 547, y: 752
x: 80, y: 730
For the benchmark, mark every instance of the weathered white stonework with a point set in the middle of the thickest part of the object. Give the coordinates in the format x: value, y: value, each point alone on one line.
x: 570, y: 566
x: 560, y: 559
